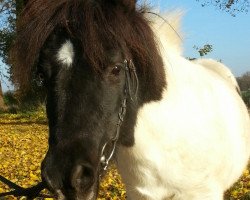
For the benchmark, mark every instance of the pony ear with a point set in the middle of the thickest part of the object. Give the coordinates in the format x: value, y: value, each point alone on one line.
x: 129, y: 5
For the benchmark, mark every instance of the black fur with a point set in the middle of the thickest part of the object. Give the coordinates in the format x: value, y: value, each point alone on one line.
x: 83, y: 100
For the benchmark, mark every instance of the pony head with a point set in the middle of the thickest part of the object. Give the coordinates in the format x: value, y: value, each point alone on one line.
x: 93, y: 57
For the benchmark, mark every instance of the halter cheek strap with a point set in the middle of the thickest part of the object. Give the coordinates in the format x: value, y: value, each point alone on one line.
x: 131, y: 90
x: 132, y: 82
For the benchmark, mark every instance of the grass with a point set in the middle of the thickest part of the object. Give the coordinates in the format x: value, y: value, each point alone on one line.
x: 23, y: 144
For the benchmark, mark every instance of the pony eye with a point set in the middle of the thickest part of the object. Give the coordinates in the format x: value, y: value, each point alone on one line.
x: 116, y: 70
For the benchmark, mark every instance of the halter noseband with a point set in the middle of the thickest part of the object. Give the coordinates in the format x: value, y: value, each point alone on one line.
x: 131, y: 89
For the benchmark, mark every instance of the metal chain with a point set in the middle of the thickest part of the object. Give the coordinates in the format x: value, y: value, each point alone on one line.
x: 122, y: 113
x: 131, y: 80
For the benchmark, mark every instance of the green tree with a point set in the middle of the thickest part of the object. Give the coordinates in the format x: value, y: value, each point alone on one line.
x: 207, y: 48
x: 231, y: 6
x: 9, y: 12
x: 2, y: 105
x: 244, y: 81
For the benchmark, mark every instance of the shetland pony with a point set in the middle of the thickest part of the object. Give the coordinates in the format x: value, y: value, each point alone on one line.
x: 118, y: 87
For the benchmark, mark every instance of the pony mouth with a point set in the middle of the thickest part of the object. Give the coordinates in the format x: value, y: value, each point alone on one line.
x: 69, y: 192
x: 77, y: 195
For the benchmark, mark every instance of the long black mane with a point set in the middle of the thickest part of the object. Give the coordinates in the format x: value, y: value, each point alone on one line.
x: 99, y: 25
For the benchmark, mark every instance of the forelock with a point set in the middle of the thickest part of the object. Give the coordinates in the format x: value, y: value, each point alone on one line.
x: 97, y: 27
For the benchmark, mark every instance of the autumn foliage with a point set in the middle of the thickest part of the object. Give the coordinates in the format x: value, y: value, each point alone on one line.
x: 23, y: 144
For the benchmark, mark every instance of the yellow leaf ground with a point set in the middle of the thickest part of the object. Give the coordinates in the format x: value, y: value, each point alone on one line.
x: 23, y: 144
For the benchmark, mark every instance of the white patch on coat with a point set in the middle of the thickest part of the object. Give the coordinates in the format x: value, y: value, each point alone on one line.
x: 191, y: 145
x: 220, y: 69
x: 66, y: 54
x: 168, y: 29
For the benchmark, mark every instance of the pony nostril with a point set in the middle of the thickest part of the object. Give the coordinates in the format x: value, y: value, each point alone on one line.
x: 82, y: 177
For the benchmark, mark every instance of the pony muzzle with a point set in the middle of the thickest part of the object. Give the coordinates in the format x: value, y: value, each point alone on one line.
x: 80, y: 182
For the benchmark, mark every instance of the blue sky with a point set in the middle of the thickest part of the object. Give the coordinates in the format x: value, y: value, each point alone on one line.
x: 6, y: 85
x: 230, y: 36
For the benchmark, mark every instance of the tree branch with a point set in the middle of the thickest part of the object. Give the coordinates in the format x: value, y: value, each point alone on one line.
x: 229, y: 3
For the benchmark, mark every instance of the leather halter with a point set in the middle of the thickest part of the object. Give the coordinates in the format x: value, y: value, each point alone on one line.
x: 130, y: 90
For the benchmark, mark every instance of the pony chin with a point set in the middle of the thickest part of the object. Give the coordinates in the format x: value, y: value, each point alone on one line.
x: 91, y: 195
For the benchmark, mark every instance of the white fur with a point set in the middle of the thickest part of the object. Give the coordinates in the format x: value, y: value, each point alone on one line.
x: 191, y: 145
x: 168, y: 30
x: 220, y: 69
x: 66, y: 54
